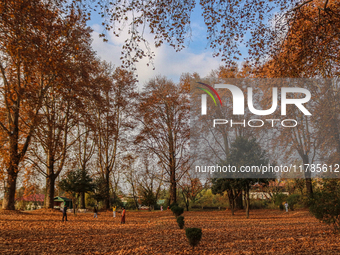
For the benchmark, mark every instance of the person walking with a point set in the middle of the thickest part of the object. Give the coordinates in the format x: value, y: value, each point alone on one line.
x: 122, y: 220
x: 286, y: 205
x: 95, y: 212
x: 114, y: 211
x: 161, y: 208
x: 64, y: 213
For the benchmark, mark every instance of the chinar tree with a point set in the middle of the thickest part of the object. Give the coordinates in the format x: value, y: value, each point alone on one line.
x: 163, y: 114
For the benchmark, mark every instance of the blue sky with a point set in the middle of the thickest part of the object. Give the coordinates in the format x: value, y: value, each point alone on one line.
x: 195, y: 57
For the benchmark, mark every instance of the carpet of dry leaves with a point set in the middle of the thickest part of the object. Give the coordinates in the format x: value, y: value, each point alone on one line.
x: 266, y: 232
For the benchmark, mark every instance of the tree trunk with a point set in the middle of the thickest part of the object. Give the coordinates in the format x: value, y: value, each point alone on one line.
x: 50, y: 182
x: 247, y: 202
x: 308, y: 178
x: 231, y: 201
x: 136, y: 201
x: 239, y: 201
x: 173, y: 189
x: 74, y: 205
x: 8, y: 202
x: 187, y: 203
x: 107, y: 197
x: 82, y: 200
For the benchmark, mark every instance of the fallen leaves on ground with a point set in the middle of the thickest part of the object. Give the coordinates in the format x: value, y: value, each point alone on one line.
x: 266, y: 232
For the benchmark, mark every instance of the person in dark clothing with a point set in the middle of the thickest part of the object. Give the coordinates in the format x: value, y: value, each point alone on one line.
x: 95, y: 212
x: 64, y: 213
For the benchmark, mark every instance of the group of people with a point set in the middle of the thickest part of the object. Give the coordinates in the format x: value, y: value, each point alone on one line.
x: 95, y: 210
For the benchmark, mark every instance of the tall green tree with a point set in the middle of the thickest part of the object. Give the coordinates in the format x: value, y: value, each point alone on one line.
x: 243, y: 152
x: 77, y: 182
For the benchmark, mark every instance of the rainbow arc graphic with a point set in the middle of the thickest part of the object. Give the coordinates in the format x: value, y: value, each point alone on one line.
x: 209, y: 93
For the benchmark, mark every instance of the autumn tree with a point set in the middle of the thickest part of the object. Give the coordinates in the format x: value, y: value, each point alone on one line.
x: 131, y: 176
x: 113, y: 119
x: 213, y: 144
x: 61, y: 107
x: 163, y: 114
x: 37, y: 41
x: 261, y: 26
x: 150, y: 179
x: 190, y: 187
x: 84, y: 147
x: 309, y: 50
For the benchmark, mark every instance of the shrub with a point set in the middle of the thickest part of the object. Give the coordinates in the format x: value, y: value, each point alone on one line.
x: 258, y: 204
x: 279, y: 199
x: 130, y: 204
x: 177, y: 210
x: 325, y: 204
x: 292, y: 200
x: 281, y: 207
x: 180, y: 222
x: 116, y: 201
x: 194, y: 236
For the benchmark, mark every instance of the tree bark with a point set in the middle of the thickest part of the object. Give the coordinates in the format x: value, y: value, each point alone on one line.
x: 308, y: 178
x: 239, y: 202
x: 50, y: 182
x: 186, y: 201
x: 107, y: 198
x: 8, y: 202
x: 231, y: 197
x: 74, y: 205
x: 173, y: 193
x: 247, y: 202
x: 82, y: 200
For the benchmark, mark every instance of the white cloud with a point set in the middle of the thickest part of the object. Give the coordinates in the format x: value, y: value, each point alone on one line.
x: 167, y: 61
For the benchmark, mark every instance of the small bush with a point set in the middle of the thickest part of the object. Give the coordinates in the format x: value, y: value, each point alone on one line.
x: 177, y: 210
x: 292, y: 200
x: 279, y: 199
x: 180, y: 222
x: 116, y: 201
x: 281, y: 207
x: 194, y: 236
x: 325, y: 204
x: 258, y: 204
x: 130, y: 204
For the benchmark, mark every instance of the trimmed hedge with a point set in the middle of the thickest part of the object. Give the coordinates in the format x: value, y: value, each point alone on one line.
x: 180, y: 222
x: 194, y: 236
x: 177, y: 210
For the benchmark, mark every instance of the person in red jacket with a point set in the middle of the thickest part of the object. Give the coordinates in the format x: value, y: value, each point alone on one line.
x: 122, y: 221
